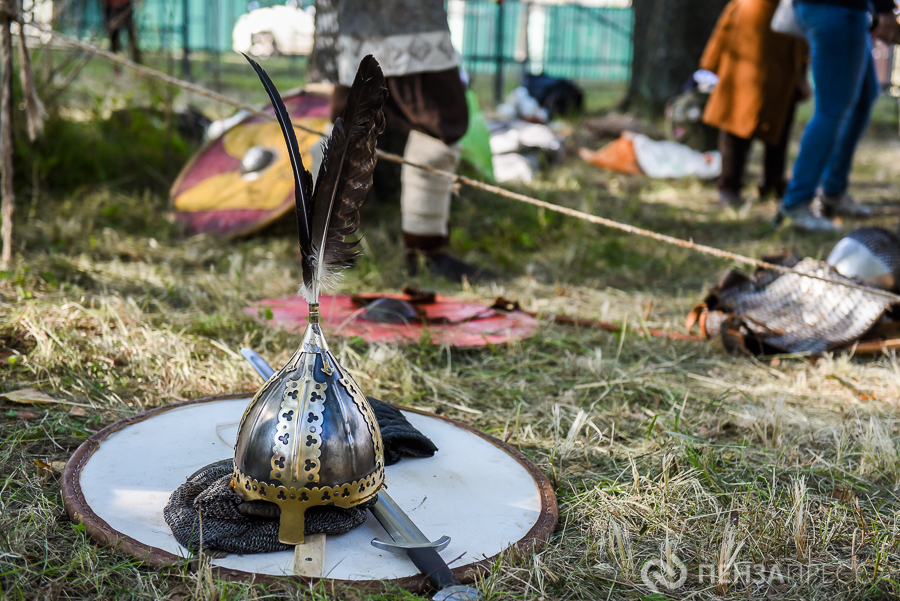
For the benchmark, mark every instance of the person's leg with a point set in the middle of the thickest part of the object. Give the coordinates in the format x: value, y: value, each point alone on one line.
x: 734, y: 152
x: 429, y: 108
x: 132, y: 34
x: 837, y: 173
x: 775, y: 159
x: 838, y: 46
x: 734, y: 159
x: 113, y: 27
x: 424, y: 196
x: 433, y: 104
x: 338, y: 101
x: 425, y: 209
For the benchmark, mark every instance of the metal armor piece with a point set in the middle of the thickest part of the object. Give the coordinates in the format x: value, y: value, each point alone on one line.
x: 308, y: 438
x: 799, y: 314
x: 255, y: 160
x: 870, y: 255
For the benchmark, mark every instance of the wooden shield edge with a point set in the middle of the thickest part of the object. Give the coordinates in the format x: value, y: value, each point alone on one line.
x: 81, y: 513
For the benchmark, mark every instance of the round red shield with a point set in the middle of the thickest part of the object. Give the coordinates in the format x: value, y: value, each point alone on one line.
x: 445, y: 320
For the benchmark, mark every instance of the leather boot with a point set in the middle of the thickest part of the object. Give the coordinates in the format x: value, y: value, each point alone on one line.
x: 431, y: 251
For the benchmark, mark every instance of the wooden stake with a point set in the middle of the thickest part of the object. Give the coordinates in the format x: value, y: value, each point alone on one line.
x: 309, y: 558
x: 6, y: 142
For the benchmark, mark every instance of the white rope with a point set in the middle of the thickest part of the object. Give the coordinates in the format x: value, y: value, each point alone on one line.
x: 624, y: 227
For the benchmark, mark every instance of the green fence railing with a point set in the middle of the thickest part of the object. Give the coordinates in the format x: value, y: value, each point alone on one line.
x: 161, y: 22
x: 564, y: 40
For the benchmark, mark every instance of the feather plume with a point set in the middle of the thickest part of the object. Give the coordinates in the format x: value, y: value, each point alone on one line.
x: 330, y: 213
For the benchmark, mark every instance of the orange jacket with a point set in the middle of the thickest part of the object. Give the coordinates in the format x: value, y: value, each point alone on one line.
x: 758, y: 70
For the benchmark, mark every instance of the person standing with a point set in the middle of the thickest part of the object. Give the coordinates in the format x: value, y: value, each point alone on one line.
x: 846, y: 88
x: 762, y: 76
x: 118, y: 15
x: 427, y: 101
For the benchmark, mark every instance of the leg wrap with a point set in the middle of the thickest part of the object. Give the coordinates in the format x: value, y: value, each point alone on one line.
x: 425, y: 197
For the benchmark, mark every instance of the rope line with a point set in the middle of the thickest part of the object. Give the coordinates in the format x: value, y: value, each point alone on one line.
x: 461, y: 179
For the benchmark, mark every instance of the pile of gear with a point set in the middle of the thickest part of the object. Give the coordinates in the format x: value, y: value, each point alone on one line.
x: 769, y: 312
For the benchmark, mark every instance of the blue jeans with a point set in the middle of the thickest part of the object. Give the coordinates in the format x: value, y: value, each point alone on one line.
x: 845, y: 90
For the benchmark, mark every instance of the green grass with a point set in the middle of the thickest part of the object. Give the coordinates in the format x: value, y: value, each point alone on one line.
x: 777, y: 480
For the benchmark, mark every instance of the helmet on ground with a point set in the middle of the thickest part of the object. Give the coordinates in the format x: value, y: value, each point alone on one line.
x: 308, y: 438
x: 870, y: 255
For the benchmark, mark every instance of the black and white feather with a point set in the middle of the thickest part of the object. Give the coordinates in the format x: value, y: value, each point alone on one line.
x: 328, y: 213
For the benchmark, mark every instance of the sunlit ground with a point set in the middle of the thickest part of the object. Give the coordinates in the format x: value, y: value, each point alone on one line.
x: 776, y: 479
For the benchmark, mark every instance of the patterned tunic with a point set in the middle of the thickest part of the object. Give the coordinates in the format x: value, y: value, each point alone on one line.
x: 405, y: 36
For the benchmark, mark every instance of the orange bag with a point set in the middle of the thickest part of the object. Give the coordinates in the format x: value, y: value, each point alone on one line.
x: 618, y: 155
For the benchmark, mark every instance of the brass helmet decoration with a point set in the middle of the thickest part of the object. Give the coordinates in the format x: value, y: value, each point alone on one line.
x: 309, y: 437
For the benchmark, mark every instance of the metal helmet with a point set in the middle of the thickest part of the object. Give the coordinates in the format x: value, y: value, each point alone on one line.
x: 308, y: 438
x: 870, y: 255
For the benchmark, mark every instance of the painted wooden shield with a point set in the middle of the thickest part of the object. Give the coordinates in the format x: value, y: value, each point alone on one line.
x: 445, y: 320
x: 242, y: 181
x: 482, y: 493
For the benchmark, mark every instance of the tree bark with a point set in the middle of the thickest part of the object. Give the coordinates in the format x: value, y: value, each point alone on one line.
x: 669, y: 37
x: 322, y: 64
x: 6, y: 142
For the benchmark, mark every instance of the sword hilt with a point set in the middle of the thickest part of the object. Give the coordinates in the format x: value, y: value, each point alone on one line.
x: 421, y: 551
x: 458, y: 592
x: 402, y: 547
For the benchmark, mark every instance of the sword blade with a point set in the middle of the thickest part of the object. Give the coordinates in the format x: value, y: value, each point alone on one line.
x: 264, y: 370
x: 400, y: 527
x: 406, y: 535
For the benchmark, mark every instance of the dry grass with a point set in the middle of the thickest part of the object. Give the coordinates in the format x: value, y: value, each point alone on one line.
x: 755, y: 479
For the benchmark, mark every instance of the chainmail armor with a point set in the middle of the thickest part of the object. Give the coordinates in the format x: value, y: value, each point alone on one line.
x: 795, y: 314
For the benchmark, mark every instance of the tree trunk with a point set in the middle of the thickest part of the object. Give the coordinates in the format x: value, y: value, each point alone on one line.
x: 669, y: 37
x: 322, y: 64
x: 6, y: 143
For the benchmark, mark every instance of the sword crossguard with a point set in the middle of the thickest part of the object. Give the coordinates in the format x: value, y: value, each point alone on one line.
x: 438, y: 545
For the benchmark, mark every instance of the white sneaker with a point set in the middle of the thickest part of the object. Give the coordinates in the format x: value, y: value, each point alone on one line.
x: 804, y: 218
x: 842, y: 204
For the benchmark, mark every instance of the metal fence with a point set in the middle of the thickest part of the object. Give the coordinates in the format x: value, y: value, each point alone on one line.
x: 563, y: 40
x: 162, y: 24
x: 566, y: 40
